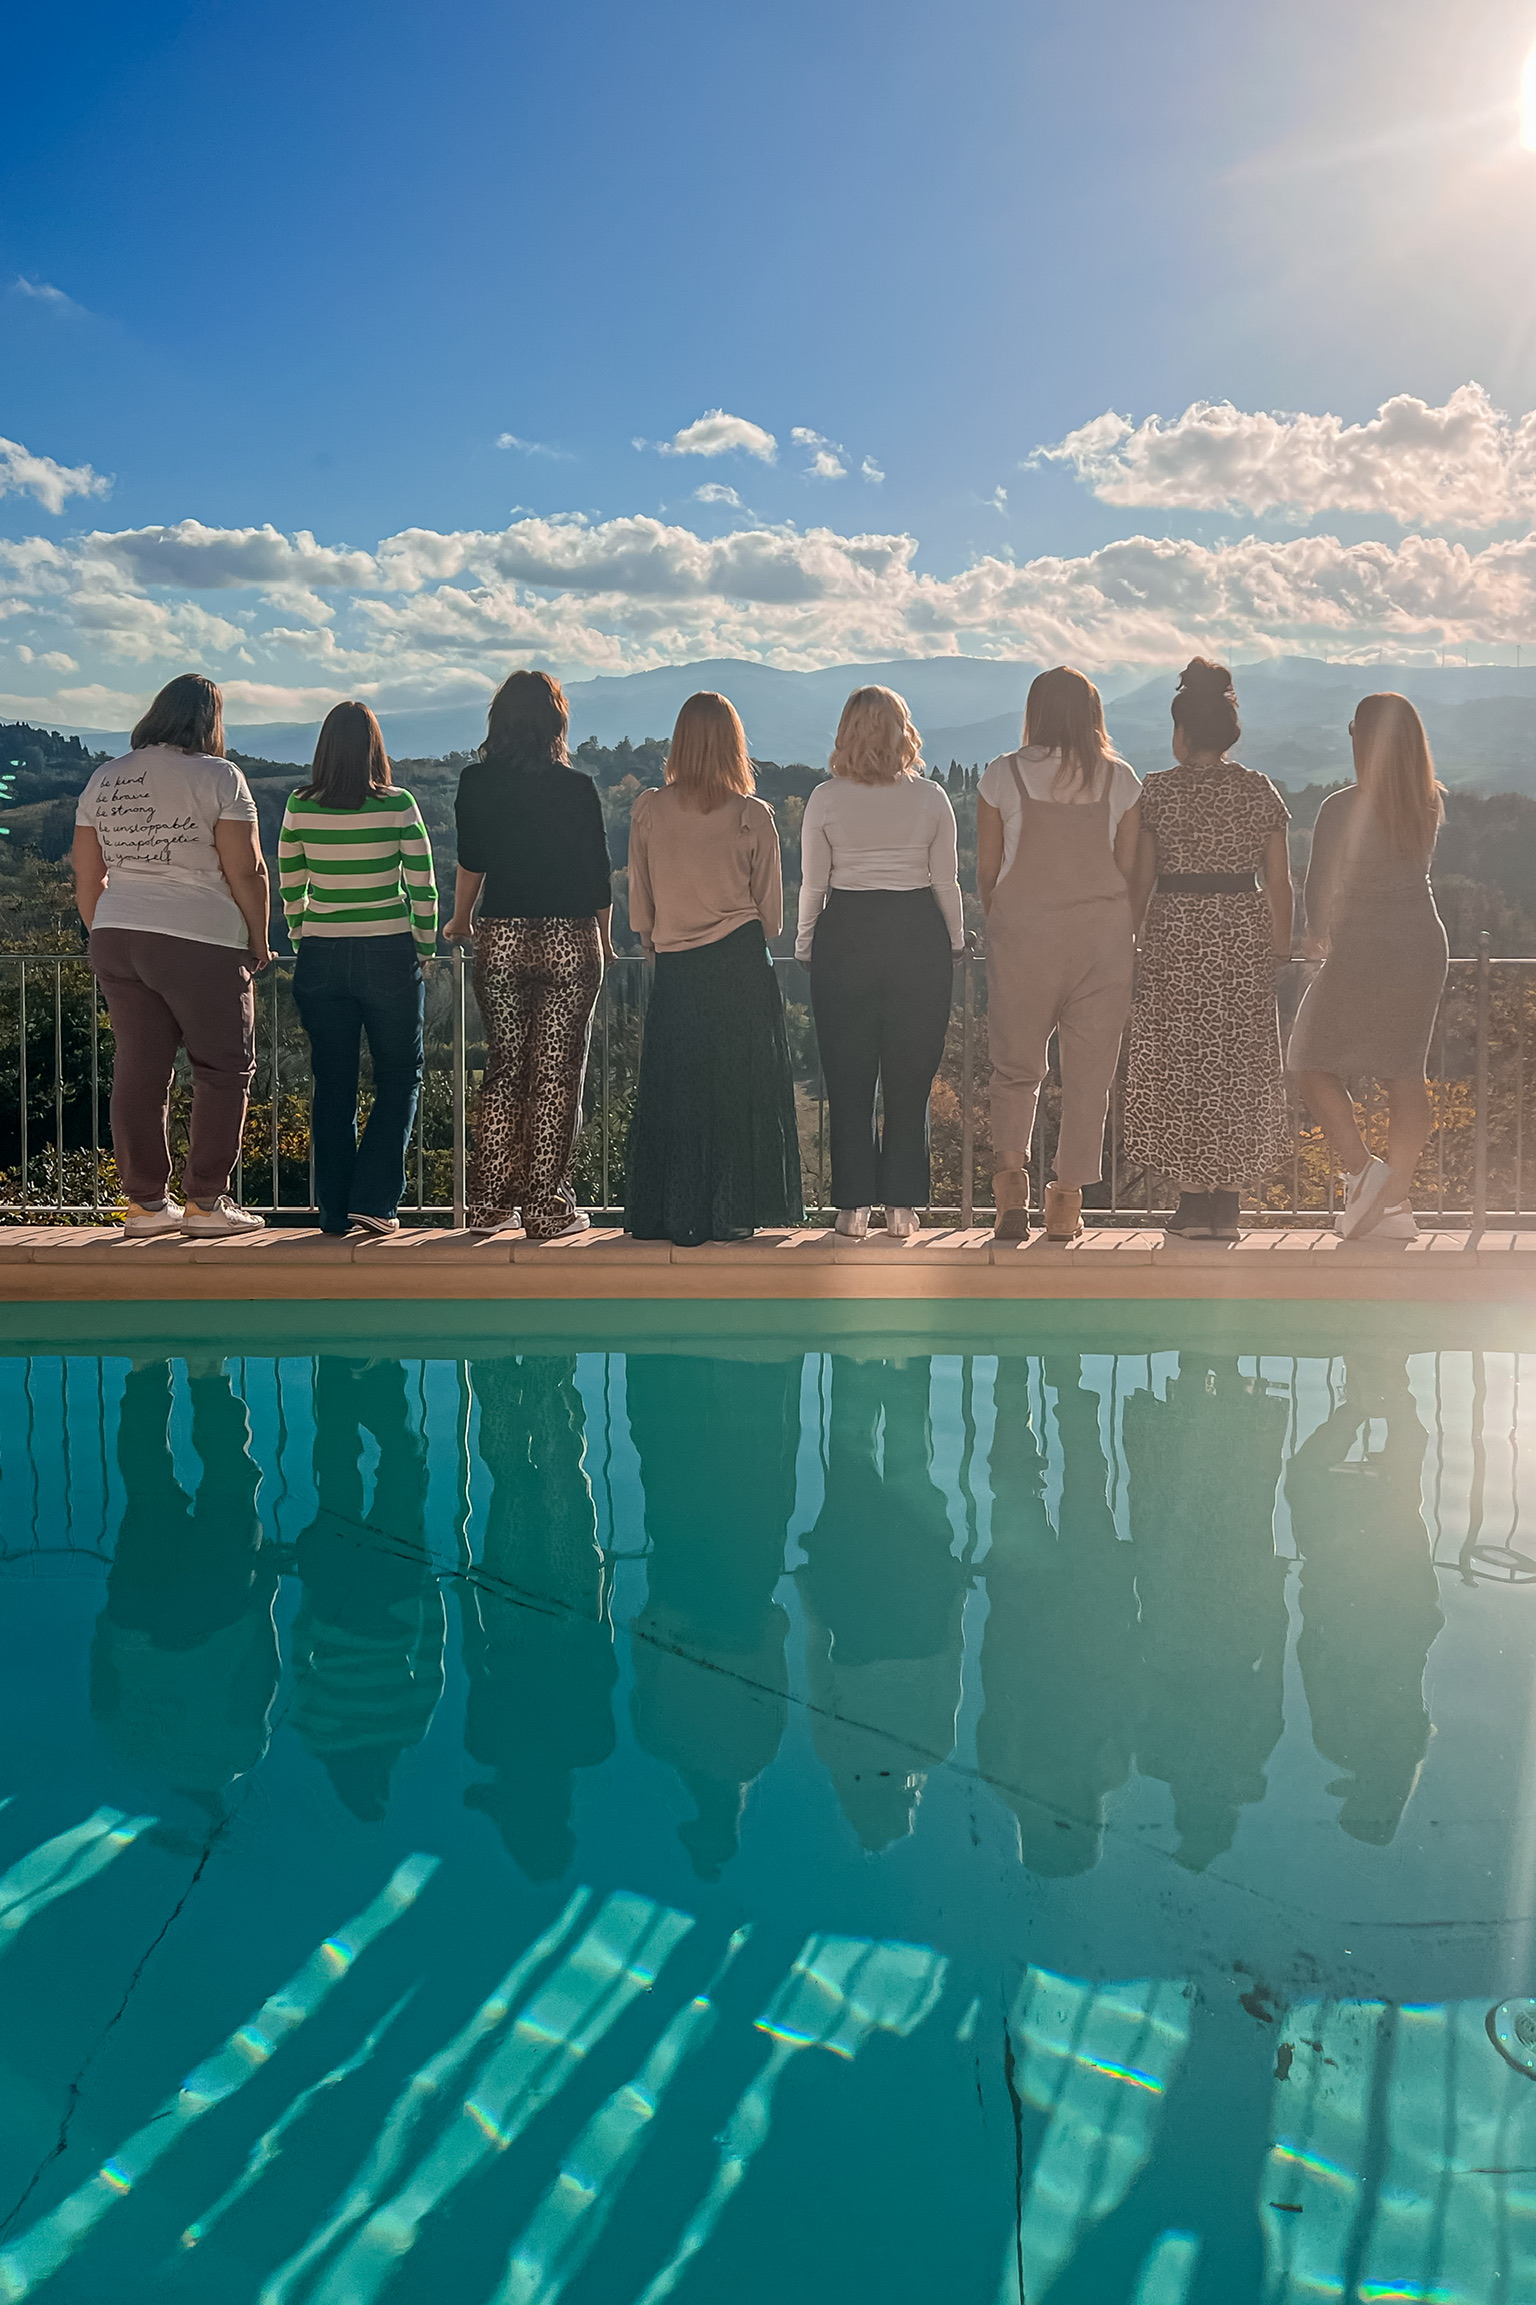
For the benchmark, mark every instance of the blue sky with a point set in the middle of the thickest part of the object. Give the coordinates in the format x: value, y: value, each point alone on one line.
x: 300, y: 269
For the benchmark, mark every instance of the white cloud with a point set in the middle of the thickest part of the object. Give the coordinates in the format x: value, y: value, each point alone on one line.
x: 23, y: 474
x: 716, y: 492
x: 998, y: 499
x: 98, y: 707
x: 44, y: 292
x: 716, y: 434
x: 1465, y: 464
x: 199, y: 558
x: 428, y: 615
x: 532, y: 447
x: 827, y: 461
x: 870, y: 470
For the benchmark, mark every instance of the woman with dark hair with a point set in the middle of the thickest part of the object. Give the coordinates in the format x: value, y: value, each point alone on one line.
x: 533, y: 856
x: 1373, y: 923
x: 1056, y: 830
x: 355, y: 871
x: 171, y: 883
x: 713, y: 1148
x: 1211, y: 891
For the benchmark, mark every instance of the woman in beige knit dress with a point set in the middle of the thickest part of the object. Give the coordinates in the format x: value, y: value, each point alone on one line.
x: 1211, y: 887
x: 1371, y: 920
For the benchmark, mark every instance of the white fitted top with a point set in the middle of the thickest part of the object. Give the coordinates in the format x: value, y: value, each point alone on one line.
x: 1039, y: 769
x: 899, y: 835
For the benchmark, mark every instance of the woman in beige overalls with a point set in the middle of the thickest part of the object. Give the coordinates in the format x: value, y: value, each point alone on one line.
x: 1057, y: 825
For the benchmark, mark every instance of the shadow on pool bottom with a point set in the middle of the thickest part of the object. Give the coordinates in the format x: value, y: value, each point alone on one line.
x: 938, y: 1826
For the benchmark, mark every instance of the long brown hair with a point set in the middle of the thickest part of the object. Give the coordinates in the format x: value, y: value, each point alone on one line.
x: 707, y: 760
x: 1395, y: 770
x: 350, y: 762
x: 1064, y: 714
x: 876, y: 741
x: 1205, y: 706
x: 187, y: 715
x: 529, y: 723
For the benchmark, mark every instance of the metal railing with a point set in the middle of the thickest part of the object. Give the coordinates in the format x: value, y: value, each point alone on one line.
x: 55, y: 1069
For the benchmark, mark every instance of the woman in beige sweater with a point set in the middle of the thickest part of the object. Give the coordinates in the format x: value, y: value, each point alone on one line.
x: 713, y: 1149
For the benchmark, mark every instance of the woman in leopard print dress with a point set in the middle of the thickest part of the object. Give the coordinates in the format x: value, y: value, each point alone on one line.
x: 1205, y: 1092
x: 534, y: 857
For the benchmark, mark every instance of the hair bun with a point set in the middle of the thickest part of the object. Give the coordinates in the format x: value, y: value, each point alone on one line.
x: 1205, y: 676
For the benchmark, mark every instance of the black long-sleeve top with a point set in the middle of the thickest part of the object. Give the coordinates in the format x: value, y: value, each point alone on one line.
x: 537, y: 835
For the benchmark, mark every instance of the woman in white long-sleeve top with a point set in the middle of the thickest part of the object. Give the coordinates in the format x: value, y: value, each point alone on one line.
x: 880, y: 924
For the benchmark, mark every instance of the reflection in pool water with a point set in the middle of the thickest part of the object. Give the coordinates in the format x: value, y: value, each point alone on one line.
x: 746, y: 1822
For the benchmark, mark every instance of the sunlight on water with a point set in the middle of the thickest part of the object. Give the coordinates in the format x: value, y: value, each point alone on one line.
x: 1097, y: 2062
x: 615, y: 1960
x: 44, y: 2249
x: 840, y: 1990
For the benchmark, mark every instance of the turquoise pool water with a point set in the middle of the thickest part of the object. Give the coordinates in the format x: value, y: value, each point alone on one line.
x: 766, y: 1803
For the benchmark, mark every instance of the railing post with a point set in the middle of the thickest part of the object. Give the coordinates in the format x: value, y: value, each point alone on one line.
x: 967, y: 1115
x: 460, y: 1095
x: 1480, y: 1124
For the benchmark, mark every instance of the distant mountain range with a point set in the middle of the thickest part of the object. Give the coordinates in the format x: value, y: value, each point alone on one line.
x: 1481, y: 720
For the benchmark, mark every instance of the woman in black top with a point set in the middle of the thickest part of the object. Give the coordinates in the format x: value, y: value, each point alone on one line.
x: 534, y: 857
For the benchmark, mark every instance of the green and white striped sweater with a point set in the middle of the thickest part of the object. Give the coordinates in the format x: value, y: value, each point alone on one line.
x: 358, y: 871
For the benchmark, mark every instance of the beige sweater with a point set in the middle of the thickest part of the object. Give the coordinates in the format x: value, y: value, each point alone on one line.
x: 693, y: 878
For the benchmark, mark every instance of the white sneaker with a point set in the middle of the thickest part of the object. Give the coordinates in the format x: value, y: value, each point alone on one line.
x: 1361, y: 1194
x: 853, y: 1224
x: 367, y: 1224
x: 143, y: 1224
x: 1397, y: 1224
x: 901, y: 1224
x: 580, y: 1223
x: 225, y: 1216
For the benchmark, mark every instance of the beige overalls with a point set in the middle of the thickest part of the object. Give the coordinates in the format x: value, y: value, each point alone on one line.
x: 1060, y: 954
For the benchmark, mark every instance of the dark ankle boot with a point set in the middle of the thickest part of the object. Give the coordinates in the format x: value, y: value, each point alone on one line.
x: 1192, y: 1217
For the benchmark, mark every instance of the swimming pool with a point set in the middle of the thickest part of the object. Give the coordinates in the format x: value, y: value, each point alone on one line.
x: 934, y: 1803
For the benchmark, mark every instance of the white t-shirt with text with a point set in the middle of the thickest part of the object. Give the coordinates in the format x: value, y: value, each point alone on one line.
x: 154, y: 812
x: 1038, y: 768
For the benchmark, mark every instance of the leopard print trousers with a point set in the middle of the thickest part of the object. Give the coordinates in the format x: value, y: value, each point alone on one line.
x: 537, y: 983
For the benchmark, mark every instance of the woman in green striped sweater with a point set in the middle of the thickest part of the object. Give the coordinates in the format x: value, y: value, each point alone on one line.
x: 355, y: 869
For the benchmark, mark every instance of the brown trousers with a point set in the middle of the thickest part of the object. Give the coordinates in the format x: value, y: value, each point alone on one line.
x: 165, y: 993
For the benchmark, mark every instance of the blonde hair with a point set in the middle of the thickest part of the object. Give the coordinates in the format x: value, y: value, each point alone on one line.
x: 1396, y: 771
x: 876, y: 742
x: 1064, y: 714
x: 707, y: 760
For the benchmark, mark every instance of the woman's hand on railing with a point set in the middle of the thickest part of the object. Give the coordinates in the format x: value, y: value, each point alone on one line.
x: 458, y: 931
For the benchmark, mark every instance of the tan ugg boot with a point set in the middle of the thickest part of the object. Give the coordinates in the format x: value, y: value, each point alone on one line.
x: 1010, y: 1197
x: 1063, y: 1212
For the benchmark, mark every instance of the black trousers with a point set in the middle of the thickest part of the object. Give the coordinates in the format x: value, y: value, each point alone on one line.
x: 881, y: 975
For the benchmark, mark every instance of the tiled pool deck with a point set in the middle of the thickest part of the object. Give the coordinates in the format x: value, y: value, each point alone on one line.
x: 44, y: 1263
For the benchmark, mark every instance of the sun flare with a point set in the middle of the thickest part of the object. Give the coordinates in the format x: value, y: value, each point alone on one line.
x: 1528, y: 103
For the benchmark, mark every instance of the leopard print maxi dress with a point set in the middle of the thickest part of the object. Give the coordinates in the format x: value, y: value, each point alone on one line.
x: 1205, y: 1093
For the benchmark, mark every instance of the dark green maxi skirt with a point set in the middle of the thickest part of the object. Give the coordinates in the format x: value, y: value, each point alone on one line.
x: 713, y: 1148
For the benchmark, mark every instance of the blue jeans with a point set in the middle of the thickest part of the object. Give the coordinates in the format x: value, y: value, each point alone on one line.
x: 346, y: 986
